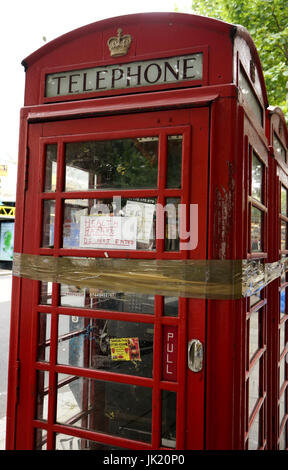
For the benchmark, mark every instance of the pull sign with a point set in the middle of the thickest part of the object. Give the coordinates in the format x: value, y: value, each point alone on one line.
x: 170, y: 348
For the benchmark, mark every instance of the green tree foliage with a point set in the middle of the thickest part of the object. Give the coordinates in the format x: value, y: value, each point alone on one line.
x: 267, y: 22
x: 123, y: 163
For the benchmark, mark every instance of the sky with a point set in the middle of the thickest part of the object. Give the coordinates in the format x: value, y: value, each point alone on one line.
x: 23, y: 24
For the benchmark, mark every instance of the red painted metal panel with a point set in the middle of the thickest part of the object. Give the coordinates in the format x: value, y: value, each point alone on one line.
x: 40, y: 134
x: 90, y: 48
x: 170, y: 347
x: 276, y: 127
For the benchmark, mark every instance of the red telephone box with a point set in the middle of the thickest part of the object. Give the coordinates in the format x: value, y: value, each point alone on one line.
x: 142, y: 291
x: 277, y: 330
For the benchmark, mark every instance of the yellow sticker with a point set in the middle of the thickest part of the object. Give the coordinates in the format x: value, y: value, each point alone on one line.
x: 125, y: 349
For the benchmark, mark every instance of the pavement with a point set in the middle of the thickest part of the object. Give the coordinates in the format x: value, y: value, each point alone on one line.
x: 3, y: 272
x: 2, y: 433
x: 68, y: 404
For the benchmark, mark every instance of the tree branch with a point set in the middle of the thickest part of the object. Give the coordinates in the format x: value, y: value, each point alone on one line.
x: 285, y: 45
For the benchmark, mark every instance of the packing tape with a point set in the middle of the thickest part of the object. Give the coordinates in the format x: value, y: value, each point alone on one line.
x: 206, y: 279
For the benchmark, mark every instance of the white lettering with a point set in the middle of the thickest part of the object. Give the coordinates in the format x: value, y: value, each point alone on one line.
x: 167, y: 360
x: 170, y: 348
x: 192, y: 235
x: 167, y: 370
x: 115, y: 460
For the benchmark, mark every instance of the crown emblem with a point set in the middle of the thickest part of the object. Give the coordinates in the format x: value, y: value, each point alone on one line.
x: 119, y: 45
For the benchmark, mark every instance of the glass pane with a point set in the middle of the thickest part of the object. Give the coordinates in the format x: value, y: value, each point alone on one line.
x: 172, y: 224
x: 256, y: 229
x: 65, y: 442
x: 254, y: 386
x: 48, y: 224
x: 41, y: 439
x: 122, y: 163
x: 171, y: 306
x: 110, y: 345
x: 282, y: 406
x: 250, y: 96
x: 284, y: 273
x: 169, y: 406
x: 254, y: 434
x: 112, y: 408
x: 99, y: 299
x: 283, y: 235
x: 282, y: 372
x: 255, y: 298
x: 283, y: 302
x: 283, y: 201
x: 257, y: 178
x: 50, y: 167
x: 44, y: 335
x: 45, y: 293
x: 279, y: 149
x: 282, y: 338
x: 174, y: 161
x: 283, y: 438
x: 42, y: 395
x: 254, y: 334
x: 109, y: 224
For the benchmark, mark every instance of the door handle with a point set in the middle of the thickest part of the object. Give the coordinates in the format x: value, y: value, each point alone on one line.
x: 195, y: 355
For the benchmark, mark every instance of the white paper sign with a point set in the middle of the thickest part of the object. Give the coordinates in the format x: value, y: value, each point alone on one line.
x: 144, y: 213
x: 108, y: 232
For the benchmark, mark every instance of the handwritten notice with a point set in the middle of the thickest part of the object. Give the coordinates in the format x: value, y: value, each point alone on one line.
x: 108, y: 232
x: 125, y: 349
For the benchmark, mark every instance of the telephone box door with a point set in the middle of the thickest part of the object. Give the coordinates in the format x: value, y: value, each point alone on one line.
x: 109, y: 366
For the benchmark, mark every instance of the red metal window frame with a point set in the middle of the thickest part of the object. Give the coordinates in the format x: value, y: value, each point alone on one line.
x: 161, y: 193
x: 157, y: 319
x: 259, y: 357
x: 282, y: 388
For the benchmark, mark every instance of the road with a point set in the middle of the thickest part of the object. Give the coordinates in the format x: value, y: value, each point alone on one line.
x: 5, y: 304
